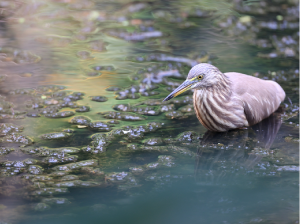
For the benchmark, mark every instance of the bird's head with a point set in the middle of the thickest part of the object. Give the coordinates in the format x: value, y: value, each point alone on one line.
x: 200, y: 76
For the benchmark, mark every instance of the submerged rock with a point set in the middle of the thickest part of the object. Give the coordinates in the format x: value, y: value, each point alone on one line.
x: 99, y: 126
x: 34, y: 169
x: 40, y: 207
x: 99, y: 143
x: 81, y: 120
x: 92, y: 171
x: 60, y: 114
x: 113, y: 88
x: 136, y: 170
x: 55, y: 135
x: 187, y: 136
x: 175, y: 115
x: 5, y: 150
x: 49, y: 191
x: 77, y: 165
x: 125, y: 116
x: 122, y: 176
x: 56, y: 201
x: 83, y: 109
x: 7, y: 128
x: 17, y: 138
x: 153, y: 141
x: 99, y: 98
x: 166, y: 160
x: 76, y: 183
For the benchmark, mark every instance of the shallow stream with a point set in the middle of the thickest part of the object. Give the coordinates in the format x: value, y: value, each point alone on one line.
x: 86, y: 138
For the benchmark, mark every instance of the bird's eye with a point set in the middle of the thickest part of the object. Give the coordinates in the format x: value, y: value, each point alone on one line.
x: 200, y: 77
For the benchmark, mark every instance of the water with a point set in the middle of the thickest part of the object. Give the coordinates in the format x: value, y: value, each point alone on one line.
x: 190, y: 175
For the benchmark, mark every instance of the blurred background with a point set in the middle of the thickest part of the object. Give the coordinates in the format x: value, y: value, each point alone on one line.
x: 86, y: 138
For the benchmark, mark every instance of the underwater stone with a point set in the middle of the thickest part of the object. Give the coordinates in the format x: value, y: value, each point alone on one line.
x: 33, y: 114
x: 30, y: 161
x: 34, y: 169
x: 76, y: 183
x: 122, y: 107
x: 56, y: 201
x: 49, y: 191
x: 149, y: 93
x: 92, y: 171
x: 99, y: 126
x: 113, y: 88
x: 69, y: 177
x: 146, y: 110
x: 60, y: 114
x: 133, y: 146
x: 83, y: 109
x: 117, y: 176
x: 152, y: 165
x: 5, y: 150
x: 99, y: 142
x: 40, y: 207
x: 44, y: 151
x: 59, y: 173
x: 182, y: 150
x: 113, y: 122
x: 153, y: 126
x: 133, y: 135
x: 187, y: 109
x: 136, y: 169
x: 166, y: 160
x: 54, y: 160
x: 55, y: 135
x: 82, y: 120
x: 77, y: 165
x: 153, y: 141
x: 288, y: 168
x: 175, y: 115
x: 41, y: 178
x: 16, y: 138
x: 7, y: 128
x: 167, y: 108
x: 187, y: 136
x: 125, y: 116
x: 99, y: 98
x: 70, y: 150
x: 155, y: 148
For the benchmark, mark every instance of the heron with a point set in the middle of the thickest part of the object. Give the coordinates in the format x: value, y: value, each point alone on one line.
x: 225, y: 101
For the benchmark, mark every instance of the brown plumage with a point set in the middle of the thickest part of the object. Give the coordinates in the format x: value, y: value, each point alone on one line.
x: 230, y: 100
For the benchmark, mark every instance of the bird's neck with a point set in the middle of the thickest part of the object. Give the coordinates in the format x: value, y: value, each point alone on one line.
x: 224, y: 85
x: 221, y: 85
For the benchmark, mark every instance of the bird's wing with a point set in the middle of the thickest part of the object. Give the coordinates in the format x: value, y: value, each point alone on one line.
x: 260, y: 98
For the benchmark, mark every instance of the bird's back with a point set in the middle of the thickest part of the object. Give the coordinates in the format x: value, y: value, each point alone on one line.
x: 260, y: 98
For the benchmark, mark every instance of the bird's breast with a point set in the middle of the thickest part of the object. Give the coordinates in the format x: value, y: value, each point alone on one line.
x: 218, y: 111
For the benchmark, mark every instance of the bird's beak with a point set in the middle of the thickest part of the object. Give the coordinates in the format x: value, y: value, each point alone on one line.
x: 186, y: 85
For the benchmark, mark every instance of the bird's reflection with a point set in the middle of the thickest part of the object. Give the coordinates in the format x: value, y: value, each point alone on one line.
x: 222, y: 153
x: 264, y: 132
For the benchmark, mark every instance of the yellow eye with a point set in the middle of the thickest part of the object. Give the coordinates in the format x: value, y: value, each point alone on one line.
x: 200, y: 77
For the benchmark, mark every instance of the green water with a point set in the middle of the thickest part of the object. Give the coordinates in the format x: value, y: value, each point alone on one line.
x: 242, y: 176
